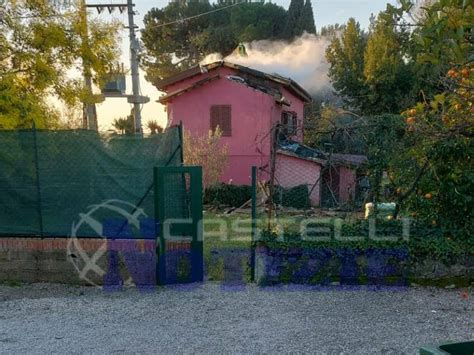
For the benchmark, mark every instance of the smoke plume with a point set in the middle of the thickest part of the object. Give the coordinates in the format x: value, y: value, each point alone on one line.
x: 302, y: 60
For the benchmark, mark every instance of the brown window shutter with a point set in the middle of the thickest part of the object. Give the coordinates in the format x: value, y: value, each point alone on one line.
x: 215, y: 114
x: 226, y: 120
x: 221, y: 116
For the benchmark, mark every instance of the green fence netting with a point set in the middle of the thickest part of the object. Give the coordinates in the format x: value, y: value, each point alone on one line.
x: 48, y: 178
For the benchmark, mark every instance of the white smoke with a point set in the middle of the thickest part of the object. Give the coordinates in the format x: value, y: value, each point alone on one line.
x: 302, y: 60
x: 417, y: 12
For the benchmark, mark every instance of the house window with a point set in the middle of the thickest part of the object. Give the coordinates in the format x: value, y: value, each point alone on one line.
x: 221, y: 116
x: 289, y: 123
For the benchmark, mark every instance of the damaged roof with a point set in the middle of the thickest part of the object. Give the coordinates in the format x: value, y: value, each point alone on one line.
x: 298, y: 150
x: 288, y: 83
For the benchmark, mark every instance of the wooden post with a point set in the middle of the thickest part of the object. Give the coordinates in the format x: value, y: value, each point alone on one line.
x: 273, y: 149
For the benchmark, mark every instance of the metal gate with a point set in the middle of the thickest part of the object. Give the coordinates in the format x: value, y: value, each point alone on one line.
x: 178, y: 212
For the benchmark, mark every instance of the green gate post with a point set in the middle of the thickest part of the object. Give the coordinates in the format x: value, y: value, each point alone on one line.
x: 194, y: 230
x: 197, y: 247
x: 253, y: 243
x: 159, y: 217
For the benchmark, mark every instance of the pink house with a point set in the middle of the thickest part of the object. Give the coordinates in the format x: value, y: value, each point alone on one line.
x: 246, y: 104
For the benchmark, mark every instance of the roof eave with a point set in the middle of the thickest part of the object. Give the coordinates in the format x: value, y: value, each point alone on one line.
x: 288, y: 83
x: 294, y: 155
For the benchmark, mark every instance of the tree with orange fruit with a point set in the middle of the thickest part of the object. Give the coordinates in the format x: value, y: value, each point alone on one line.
x: 435, y: 171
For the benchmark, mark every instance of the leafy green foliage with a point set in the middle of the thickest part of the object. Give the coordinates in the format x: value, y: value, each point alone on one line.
x: 308, y: 18
x: 335, y: 130
x: 424, y: 153
x: 425, y: 240
x: 173, y: 45
x: 331, y: 31
x: 372, y: 71
x: 227, y: 194
x: 39, y: 46
x: 346, y: 58
x: 387, y: 72
x: 124, y: 125
x: 300, y: 19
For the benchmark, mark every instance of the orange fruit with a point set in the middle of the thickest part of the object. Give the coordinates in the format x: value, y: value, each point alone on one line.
x: 410, y: 120
x: 428, y: 196
x: 465, y: 72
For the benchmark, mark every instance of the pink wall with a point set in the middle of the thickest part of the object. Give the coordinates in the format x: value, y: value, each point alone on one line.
x: 347, y: 182
x: 292, y: 171
x: 252, y: 114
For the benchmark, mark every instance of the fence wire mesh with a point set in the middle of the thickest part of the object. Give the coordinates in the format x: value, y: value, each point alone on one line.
x: 49, y: 178
x: 302, y: 182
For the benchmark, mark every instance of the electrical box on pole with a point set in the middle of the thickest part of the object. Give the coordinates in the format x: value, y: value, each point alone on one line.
x: 115, y: 82
x: 116, y: 87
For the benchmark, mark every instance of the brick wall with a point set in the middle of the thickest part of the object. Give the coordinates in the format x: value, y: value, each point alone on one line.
x: 56, y: 259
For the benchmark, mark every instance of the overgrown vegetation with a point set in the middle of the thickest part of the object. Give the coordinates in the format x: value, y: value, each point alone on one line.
x: 423, y: 240
x: 39, y: 47
x: 227, y: 195
x: 407, y: 86
x: 207, y: 151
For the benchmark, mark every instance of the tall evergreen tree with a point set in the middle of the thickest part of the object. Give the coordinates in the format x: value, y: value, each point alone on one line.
x: 295, y: 25
x: 308, y: 18
x: 387, y: 70
x: 345, y: 55
x: 192, y: 40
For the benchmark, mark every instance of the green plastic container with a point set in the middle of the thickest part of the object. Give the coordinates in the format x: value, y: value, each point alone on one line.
x: 464, y: 348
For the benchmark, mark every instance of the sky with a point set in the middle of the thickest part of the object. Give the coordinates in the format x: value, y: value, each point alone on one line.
x: 325, y: 12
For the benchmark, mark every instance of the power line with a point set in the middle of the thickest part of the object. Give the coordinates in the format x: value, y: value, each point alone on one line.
x: 195, y: 16
x: 153, y: 26
x: 35, y: 16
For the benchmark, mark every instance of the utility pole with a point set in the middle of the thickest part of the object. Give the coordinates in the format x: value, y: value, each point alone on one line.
x: 134, y: 48
x: 136, y: 99
x: 89, y: 114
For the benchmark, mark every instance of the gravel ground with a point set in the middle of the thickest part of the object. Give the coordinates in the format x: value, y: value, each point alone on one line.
x: 44, y: 318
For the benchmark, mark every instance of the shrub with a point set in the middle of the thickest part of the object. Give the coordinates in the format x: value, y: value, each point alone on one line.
x: 207, y: 151
x: 225, y: 194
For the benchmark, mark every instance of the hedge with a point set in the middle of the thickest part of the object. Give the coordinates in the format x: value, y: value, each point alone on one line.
x: 229, y: 195
x: 237, y: 195
x: 425, y: 240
